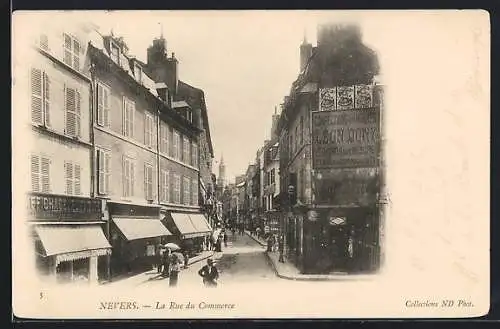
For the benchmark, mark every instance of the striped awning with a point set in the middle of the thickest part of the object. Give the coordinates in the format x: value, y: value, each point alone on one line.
x: 187, y: 228
x: 72, y: 242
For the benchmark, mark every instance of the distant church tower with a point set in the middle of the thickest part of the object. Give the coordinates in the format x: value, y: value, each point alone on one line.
x: 222, y: 173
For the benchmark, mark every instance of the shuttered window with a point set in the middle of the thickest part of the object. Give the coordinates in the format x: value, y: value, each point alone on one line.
x: 103, y: 111
x: 164, y: 138
x: 148, y: 181
x: 72, y: 50
x: 128, y: 177
x: 186, y: 145
x: 40, y: 97
x: 128, y: 117
x: 73, y: 174
x: 165, y: 186
x: 194, y: 192
x: 148, y: 130
x: 73, y: 112
x: 194, y: 155
x: 40, y: 174
x: 103, y: 171
x: 177, y: 189
x: 44, y: 42
x: 177, y: 142
x: 186, y: 191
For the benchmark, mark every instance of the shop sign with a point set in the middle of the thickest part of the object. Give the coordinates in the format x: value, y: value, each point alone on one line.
x: 52, y: 207
x: 337, y: 221
x: 345, y: 139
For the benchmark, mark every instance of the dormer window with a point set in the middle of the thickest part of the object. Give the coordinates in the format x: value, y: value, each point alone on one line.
x: 189, y: 115
x: 115, y: 53
x: 138, y: 72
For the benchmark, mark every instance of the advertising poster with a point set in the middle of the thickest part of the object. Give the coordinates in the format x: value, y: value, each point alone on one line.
x: 345, y: 98
x: 327, y: 99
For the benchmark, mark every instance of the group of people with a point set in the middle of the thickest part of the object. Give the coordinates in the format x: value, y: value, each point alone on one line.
x: 170, y: 264
x: 274, y: 243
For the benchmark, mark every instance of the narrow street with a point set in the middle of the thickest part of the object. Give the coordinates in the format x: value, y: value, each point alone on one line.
x: 242, y: 261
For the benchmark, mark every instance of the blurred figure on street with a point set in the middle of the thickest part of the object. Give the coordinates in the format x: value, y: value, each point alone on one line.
x: 270, y: 243
x: 209, y: 273
x: 185, y: 254
x: 166, y: 262
x: 159, y: 258
x: 225, y: 239
x: 175, y: 268
x: 218, y: 244
x: 281, y: 248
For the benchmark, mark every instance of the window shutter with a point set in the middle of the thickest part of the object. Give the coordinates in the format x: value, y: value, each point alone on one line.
x: 76, y: 55
x: 125, y: 176
x: 45, y: 175
x: 131, y: 119
x: 35, y: 173
x: 100, y: 171
x: 77, y: 173
x: 132, y: 177
x: 46, y: 98
x: 106, y: 106
x: 107, y: 160
x: 100, y: 105
x: 36, y: 95
x: 67, y: 50
x: 146, y: 129
x: 124, y: 119
x: 70, y: 112
x: 68, y: 169
x: 78, y: 103
x: 167, y: 186
x: 146, y: 181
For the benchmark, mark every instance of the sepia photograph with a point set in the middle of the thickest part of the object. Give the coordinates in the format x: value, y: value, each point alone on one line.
x: 251, y: 164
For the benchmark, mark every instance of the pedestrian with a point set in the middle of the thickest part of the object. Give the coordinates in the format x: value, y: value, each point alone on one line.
x: 281, y: 247
x: 185, y: 254
x: 225, y: 239
x: 269, y: 244
x: 159, y: 259
x: 218, y: 245
x: 174, y: 270
x: 166, y: 262
x: 209, y: 273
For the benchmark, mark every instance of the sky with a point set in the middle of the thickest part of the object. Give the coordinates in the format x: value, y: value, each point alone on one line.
x: 244, y: 61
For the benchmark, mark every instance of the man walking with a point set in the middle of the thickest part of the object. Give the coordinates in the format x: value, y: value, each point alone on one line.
x: 209, y: 273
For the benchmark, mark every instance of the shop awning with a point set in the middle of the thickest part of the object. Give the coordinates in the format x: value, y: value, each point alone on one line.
x: 200, y: 223
x: 73, y: 242
x: 140, y: 228
x: 186, y: 227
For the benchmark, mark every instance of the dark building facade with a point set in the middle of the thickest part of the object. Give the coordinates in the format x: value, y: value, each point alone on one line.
x: 329, y: 137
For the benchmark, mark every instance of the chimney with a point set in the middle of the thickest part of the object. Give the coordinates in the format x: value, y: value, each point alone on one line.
x: 305, y: 53
x: 173, y: 73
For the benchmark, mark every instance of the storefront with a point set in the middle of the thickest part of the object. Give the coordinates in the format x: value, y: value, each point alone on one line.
x: 190, y: 230
x: 68, y: 236
x: 341, y: 239
x: 135, y: 234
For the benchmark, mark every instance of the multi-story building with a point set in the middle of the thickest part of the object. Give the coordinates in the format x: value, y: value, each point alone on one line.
x: 147, y: 163
x: 329, y: 156
x: 53, y: 95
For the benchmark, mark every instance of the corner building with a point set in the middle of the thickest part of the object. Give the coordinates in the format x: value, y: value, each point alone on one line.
x: 332, y: 214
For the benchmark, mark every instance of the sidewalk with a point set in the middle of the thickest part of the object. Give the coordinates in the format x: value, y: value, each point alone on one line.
x: 290, y: 272
x: 152, y: 274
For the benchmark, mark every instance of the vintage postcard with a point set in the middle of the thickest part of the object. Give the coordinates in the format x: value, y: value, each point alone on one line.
x: 250, y: 164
